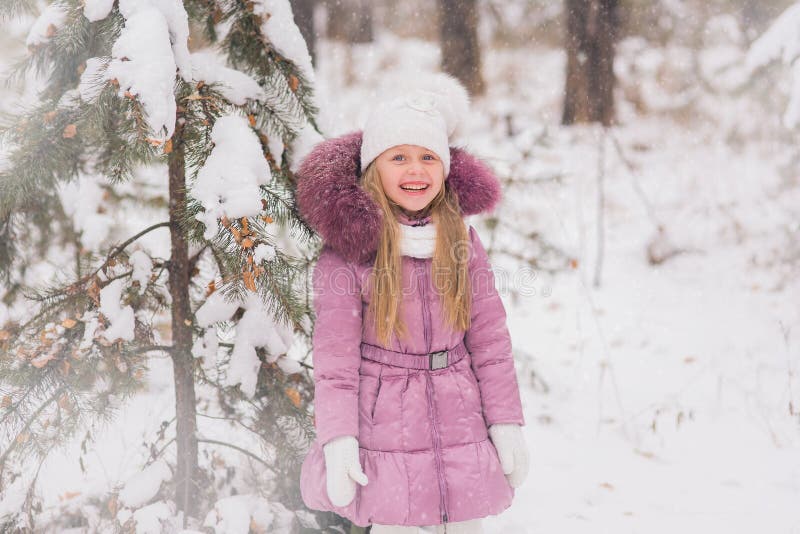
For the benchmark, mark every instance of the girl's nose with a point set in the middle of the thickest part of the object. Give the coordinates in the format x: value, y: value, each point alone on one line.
x: 415, y: 167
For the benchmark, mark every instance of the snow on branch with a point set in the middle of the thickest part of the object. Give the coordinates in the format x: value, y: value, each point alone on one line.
x: 177, y: 22
x: 151, y: 47
x: 256, y: 328
x: 279, y: 27
x: 234, y: 85
x: 143, y: 486
x: 120, y: 317
x: 95, y: 10
x: 46, y: 25
x: 228, y: 183
x: 144, y: 67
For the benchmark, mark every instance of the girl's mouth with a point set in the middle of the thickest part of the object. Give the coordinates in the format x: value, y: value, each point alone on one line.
x: 414, y: 189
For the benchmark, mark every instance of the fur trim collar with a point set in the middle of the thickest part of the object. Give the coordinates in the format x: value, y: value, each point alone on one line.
x: 330, y: 200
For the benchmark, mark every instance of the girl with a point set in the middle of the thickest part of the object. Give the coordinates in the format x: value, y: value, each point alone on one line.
x: 417, y: 406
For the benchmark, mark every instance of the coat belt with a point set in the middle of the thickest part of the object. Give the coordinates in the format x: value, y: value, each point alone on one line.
x: 431, y: 361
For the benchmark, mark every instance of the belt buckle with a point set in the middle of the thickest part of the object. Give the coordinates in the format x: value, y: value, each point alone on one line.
x: 437, y: 360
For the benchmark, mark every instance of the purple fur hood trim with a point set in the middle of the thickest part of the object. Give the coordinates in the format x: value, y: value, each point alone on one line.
x: 330, y: 199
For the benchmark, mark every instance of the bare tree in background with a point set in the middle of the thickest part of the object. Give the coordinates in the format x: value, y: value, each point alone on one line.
x: 592, y: 27
x: 350, y: 21
x: 461, y: 54
x: 304, y: 18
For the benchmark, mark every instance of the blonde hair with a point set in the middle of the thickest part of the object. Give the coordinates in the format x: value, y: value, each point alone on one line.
x: 450, y: 261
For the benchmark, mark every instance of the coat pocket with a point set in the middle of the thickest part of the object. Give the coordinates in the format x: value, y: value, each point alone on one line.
x: 375, y: 400
x: 388, y: 399
x: 369, y: 388
x: 470, y: 391
x: 462, y: 417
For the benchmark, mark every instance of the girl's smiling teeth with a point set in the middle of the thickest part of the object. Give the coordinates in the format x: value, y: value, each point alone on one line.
x: 414, y: 190
x: 414, y: 186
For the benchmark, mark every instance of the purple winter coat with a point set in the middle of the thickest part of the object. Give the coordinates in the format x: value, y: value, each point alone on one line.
x: 423, y: 440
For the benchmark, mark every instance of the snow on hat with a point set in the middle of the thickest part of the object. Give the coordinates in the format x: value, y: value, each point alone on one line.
x: 425, y: 113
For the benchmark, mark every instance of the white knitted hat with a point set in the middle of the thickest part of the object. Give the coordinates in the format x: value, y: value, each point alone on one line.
x: 425, y: 113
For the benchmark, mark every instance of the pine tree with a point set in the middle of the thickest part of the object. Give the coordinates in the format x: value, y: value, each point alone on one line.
x: 127, y: 115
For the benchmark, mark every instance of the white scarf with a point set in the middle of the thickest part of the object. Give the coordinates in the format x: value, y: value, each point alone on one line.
x: 419, y: 241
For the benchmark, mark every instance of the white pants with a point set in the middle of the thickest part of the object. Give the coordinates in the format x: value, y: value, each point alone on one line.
x: 460, y: 527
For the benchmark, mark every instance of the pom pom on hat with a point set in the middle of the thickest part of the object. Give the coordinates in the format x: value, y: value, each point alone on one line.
x: 452, y: 99
x: 426, y: 112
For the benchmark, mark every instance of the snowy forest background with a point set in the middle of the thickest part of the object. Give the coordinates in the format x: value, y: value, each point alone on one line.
x: 155, y: 366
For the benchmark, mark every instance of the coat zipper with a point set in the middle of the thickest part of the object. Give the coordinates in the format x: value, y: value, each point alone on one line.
x: 426, y: 317
x: 425, y: 312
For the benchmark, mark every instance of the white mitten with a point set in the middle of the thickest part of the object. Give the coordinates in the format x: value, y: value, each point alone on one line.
x: 344, y: 469
x: 510, y: 444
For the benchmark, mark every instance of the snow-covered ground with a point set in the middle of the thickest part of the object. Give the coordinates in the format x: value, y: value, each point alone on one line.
x: 670, y: 386
x: 657, y: 402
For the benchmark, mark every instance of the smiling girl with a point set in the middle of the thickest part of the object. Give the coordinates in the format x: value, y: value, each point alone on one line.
x: 417, y: 406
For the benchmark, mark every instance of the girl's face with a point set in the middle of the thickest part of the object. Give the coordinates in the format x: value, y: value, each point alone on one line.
x: 411, y: 175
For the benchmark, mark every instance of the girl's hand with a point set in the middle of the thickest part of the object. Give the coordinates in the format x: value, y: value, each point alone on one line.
x: 343, y: 469
x: 509, y: 441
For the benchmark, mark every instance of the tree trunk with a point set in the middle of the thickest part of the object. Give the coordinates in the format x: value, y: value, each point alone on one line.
x: 350, y: 21
x: 186, y: 477
x: 591, y: 34
x: 461, y: 53
x: 303, y: 11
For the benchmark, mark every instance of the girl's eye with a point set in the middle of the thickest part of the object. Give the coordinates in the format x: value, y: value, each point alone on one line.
x: 401, y: 157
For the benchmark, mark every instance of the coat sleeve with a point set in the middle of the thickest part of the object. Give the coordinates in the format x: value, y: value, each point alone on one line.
x: 336, y: 346
x: 489, y: 343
